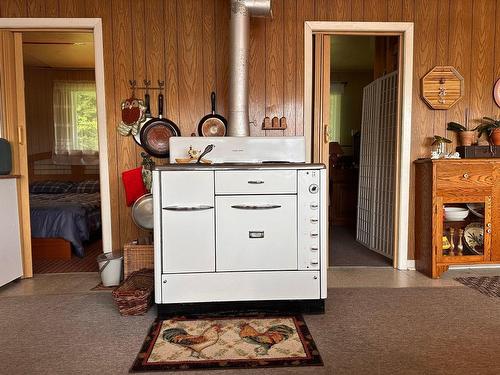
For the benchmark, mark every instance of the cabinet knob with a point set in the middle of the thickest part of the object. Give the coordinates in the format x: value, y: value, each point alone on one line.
x: 466, y: 175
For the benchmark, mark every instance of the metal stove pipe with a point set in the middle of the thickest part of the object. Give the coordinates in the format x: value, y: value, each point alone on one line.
x: 241, y: 11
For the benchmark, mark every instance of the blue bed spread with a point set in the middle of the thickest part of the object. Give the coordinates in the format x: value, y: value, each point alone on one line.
x: 72, y: 216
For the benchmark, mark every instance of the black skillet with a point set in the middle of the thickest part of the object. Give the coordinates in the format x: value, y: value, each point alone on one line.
x: 213, y: 124
x: 147, y: 117
x: 155, y: 133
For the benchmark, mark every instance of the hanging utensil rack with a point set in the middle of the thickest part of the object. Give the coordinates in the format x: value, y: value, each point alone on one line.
x: 147, y: 85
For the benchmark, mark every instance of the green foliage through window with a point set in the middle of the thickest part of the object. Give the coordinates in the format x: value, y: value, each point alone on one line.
x: 85, y: 119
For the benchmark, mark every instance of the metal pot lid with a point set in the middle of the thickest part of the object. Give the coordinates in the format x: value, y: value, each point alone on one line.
x: 142, y: 212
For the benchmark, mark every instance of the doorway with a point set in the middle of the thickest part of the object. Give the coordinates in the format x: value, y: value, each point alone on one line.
x: 15, y: 125
x: 318, y: 130
x: 363, y: 106
x: 63, y: 153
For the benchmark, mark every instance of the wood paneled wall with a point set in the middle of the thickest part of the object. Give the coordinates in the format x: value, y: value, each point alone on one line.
x: 186, y: 42
x: 39, y: 83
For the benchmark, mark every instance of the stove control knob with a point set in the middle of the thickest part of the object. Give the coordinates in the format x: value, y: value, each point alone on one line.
x: 314, y: 234
x: 314, y: 220
x: 314, y: 206
x: 313, y: 188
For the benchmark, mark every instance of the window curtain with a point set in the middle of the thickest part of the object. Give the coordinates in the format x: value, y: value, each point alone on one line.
x: 75, y: 123
x: 336, y: 92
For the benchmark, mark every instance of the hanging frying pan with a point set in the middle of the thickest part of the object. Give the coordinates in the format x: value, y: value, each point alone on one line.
x: 212, y: 125
x: 147, y: 117
x: 156, y: 133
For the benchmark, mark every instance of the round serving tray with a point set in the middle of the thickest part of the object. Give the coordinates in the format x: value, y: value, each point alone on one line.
x: 142, y: 212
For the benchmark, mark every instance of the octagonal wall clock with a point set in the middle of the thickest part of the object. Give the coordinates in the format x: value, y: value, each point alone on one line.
x: 442, y: 87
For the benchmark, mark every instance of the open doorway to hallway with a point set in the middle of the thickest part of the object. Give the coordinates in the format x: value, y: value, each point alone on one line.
x: 362, y: 130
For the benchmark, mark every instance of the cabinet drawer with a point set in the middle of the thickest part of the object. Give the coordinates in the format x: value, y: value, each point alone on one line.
x: 477, y: 177
x: 240, y: 286
x: 256, y: 182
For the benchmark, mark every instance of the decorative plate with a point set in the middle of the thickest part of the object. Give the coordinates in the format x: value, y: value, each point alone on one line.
x: 477, y: 209
x: 474, y: 238
x: 496, y: 92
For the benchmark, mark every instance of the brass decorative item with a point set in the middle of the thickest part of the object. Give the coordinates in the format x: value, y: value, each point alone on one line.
x: 452, y: 242
x: 460, y: 246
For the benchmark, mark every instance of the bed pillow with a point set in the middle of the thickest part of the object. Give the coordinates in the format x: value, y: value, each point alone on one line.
x: 89, y: 186
x: 51, y: 187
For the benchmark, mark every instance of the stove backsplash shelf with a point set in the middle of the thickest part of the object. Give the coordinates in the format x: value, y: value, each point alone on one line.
x: 242, y: 149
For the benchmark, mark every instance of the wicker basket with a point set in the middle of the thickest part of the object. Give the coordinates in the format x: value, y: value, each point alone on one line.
x: 135, y: 294
x: 137, y: 255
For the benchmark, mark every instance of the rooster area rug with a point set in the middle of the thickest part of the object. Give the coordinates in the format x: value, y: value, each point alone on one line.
x: 228, y: 342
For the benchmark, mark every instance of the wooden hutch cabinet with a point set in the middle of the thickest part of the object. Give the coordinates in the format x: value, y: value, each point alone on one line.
x: 470, y: 188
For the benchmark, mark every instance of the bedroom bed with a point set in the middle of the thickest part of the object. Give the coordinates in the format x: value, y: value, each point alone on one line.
x: 72, y: 216
x: 64, y: 214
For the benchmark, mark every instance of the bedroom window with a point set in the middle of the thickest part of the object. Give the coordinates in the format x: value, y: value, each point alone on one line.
x: 75, y: 123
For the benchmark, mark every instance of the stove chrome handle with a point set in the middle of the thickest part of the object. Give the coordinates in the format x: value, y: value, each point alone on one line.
x: 256, y: 207
x: 188, y: 208
x: 255, y: 182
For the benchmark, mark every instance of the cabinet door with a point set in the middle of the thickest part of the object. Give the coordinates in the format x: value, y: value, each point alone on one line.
x: 256, y: 232
x: 464, y: 229
x: 188, y: 222
x: 10, y: 249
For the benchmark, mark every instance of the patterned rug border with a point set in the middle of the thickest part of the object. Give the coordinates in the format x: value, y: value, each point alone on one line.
x: 313, y: 359
x: 486, y: 285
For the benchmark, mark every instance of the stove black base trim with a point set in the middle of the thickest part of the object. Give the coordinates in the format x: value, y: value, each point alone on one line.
x: 287, y: 307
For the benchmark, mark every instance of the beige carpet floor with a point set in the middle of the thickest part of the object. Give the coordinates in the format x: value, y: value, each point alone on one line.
x: 453, y: 330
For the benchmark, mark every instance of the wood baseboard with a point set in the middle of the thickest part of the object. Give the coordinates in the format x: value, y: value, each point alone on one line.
x: 50, y: 248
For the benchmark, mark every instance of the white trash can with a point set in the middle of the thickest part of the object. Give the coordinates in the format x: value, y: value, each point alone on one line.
x: 110, y: 268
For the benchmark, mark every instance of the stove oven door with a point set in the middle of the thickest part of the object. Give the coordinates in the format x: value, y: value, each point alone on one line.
x: 256, y: 232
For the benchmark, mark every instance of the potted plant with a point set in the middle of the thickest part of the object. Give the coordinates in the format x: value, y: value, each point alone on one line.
x: 439, y: 147
x: 465, y: 135
x: 491, y: 127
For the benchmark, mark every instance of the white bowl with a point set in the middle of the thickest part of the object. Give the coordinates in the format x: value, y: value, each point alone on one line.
x: 455, y: 213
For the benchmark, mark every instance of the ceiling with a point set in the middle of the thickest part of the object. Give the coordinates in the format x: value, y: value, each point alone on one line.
x: 58, y: 50
x: 352, y: 52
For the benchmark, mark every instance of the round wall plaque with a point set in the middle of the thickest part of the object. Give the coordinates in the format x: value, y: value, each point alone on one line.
x: 496, y: 92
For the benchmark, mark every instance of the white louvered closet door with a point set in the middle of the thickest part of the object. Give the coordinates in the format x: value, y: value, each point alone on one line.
x: 377, y: 182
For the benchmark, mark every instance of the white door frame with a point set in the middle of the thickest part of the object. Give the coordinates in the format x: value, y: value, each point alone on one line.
x: 94, y: 25
x: 405, y: 29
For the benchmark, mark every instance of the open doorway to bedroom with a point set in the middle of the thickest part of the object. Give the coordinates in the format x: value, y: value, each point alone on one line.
x: 63, y: 152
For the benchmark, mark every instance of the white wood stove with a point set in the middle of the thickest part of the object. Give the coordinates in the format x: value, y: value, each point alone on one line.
x: 242, y: 228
